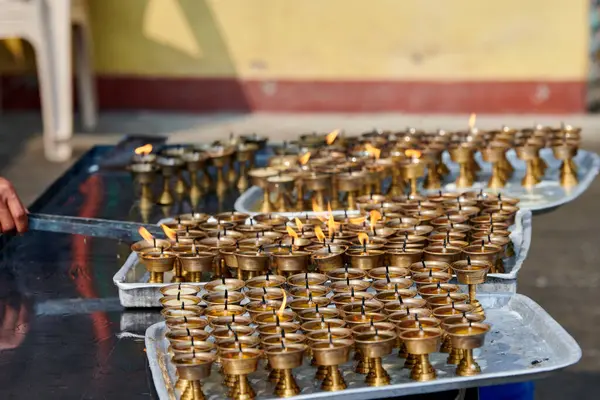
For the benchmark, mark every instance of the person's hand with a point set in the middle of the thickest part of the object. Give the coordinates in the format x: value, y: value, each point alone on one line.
x: 13, y: 216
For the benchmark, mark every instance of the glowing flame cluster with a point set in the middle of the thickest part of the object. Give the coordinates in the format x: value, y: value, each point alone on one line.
x: 330, y: 138
x: 171, y: 234
x: 319, y: 233
x: 413, y: 153
x: 145, y: 234
x: 291, y: 232
x: 299, y: 224
x: 303, y: 159
x: 143, y: 150
x: 372, y: 151
x: 363, y: 238
x: 375, y: 216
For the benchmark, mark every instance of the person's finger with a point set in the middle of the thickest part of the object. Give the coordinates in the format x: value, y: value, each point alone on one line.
x: 18, y: 212
x: 7, y: 223
x: 9, y: 323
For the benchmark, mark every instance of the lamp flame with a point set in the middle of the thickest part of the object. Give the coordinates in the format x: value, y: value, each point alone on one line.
x: 357, y: 220
x: 472, y: 120
x: 363, y: 238
x: 283, y: 303
x: 143, y: 150
x: 331, y: 225
x: 375, y: 216
x: 304, y: 158
x: 169, y: 232
x: 145, y: 234
x: 299, y: 224
x: 319, y: 210
x: 330, y: 138
x: 291, y: 232
x: 413, y: 153
x: 319, y: 233
x: 372, y: 150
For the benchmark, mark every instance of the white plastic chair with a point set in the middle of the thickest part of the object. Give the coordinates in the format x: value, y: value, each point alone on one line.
x: 47, y: 25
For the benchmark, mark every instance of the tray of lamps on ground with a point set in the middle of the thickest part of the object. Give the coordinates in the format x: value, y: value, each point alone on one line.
x: 202, y: 247
x: 262, y: 343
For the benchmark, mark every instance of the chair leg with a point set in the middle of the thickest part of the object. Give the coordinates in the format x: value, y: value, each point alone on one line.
x: 86, y: 86
x: 59, y: 41
x: 55, y: 150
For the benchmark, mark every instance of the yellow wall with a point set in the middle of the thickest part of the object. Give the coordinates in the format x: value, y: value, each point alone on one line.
x: 342, y: 39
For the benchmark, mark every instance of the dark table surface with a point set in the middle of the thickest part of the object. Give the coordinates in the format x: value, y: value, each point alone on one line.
x: 60, y: 316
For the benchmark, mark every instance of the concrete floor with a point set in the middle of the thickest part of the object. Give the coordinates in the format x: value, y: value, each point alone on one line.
x: 561, y: 272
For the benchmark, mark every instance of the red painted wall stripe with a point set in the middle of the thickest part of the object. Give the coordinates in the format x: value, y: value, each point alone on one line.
x: 204, y: 94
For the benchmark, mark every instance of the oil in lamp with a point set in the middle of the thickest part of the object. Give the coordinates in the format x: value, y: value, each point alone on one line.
x: 285, y: 358
x: 157, y: 263
x: 231, y: 332
x: 318, y: 314
x: 310, y: 278
x: 374, y: 345
x: 218, y: 298
x: 199, y: 346
x: 404, y: 257
x: 192, y: 368
x: 231, y: 320
x: 240, y: 363
x: 256, y: 307
x: 467, y: 337
x: 362, y: 306
x: 304, y: 303
x: 269, y: 293
x: 186, y: 322
x: 472, y: 272
x: 431, y: 277
x: 224, y: 310
x: 274, y: 316
x: 342, y: 274
x: 436, y: 289
x: 388, y: 283
x: 309, y: 290
x: 267, y: 281
x: 245, y: 155
x: 349, y: 285
x: 180, y: 288
x: 484, y: 252
x: 259, y: 178
x: 187, y: 311
x: 353, y: 320
x: 422, y: 342
x: 392, y: 307
x: 447, y: 299
x: 276, y: 328
x: 222, y: 284
x: 423, y: 267
x: 186, y: 336
x: 387, y: 296
x: 388, y: 271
